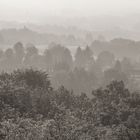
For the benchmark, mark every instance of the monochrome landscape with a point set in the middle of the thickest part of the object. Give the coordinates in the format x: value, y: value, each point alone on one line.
x: 70, y: 70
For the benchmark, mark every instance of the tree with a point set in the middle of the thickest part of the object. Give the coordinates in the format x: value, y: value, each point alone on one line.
x: 113, y: 74
x: 7, y: 63
x: 105, y: 59
x: 32, y: 78
x: 48, y: 60
x: 31, y: 50
x: 2, y: 40
x: 67, y: 58
x: 126, y: 65
x: 108, y: 103
x: 19, y: 53
x: 118, y: 66
x: 88, y: 57
x: 1, y: 54
x: 78, y: 57
x: 61, y: 55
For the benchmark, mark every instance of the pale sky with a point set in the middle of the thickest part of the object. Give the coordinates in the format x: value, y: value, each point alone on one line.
x: 34, y: 10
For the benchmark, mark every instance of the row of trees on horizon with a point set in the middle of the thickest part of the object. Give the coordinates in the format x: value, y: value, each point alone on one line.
x: 81, y: 72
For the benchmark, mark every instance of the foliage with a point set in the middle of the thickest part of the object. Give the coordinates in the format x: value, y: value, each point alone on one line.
x: 30, y: 109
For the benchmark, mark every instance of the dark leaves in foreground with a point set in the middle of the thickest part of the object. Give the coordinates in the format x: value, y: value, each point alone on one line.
x: 30, y: 110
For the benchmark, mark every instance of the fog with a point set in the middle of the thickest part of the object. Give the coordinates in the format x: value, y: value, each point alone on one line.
x: 69, y: 69
x: 34, y: 10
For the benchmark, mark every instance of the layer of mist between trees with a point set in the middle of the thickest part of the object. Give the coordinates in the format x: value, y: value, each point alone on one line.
x: 81, y: 72
x: 31, y: 109
x: 120, y: 47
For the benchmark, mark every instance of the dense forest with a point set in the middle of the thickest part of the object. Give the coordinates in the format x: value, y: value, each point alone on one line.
x: 31, y: 109
x: 57, y: 95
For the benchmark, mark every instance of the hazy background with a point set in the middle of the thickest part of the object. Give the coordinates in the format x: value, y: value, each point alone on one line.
x: 34, y: 10
x: 63, y: 11
x: 81, y: 19
x: 114, y: 18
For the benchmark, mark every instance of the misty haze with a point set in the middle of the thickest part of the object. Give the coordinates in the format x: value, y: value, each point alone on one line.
x: 70, y: 70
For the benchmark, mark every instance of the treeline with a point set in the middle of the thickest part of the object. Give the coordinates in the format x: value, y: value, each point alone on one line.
x: 31, y: 109
x: 120, y: 47
x: 81, y: 72
x: 71, y: 37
